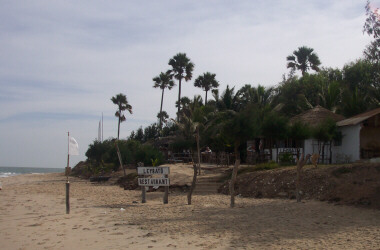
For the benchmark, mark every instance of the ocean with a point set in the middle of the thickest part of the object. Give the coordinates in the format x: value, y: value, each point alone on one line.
x: 11, y: 171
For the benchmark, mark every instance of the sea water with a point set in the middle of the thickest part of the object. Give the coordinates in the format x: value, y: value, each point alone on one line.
x: 11, y: 171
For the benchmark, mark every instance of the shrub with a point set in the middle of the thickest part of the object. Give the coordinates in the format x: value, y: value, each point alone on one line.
x: 259, y: 167
x: 102, y: 156
x: 286, y: 159
x: 342, y: 170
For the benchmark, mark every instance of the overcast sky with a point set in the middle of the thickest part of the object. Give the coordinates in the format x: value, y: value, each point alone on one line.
x: 62, y: 61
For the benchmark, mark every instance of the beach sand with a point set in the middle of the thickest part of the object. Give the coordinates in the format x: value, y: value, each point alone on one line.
x: 33, y: 216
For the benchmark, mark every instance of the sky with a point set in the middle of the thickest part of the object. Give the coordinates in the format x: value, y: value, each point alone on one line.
x: 62, y: 61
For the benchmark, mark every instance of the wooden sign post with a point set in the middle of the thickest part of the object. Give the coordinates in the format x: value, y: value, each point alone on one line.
x: 148, y: 180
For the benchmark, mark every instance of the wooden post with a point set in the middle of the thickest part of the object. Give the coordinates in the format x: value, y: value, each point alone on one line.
x: 166, y: 194
x: 143, y: 194
x: 232, y: 183
x: 67, y: 197
x: 192, y: 185
x: 300, y: 163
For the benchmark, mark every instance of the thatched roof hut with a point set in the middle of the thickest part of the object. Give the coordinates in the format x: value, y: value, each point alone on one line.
x: 315, y: 116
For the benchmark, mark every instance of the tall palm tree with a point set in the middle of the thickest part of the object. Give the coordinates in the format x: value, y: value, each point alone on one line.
x: 182, y: 68
x: 206, y: 82
x: 122, y: 104
x: 163, y: 81
x: 303, y: 59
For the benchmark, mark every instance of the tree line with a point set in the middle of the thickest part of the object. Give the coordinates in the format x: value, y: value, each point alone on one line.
x: 233, y: 116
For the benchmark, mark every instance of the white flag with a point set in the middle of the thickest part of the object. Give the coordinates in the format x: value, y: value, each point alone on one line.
x: 73, y: 146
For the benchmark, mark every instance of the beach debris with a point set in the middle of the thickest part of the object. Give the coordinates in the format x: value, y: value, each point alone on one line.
x: 122, y: 209
x: 148, y: 235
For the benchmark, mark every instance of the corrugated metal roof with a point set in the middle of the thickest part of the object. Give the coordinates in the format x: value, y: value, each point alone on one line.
x: 358, y: 118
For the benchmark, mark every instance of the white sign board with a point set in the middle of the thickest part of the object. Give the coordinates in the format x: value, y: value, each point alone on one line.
x: 152, y: 170
x: 153, y: 181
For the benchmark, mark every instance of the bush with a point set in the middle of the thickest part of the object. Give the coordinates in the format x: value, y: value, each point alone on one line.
x: 286, y: 159
x: 342, y: 170
x: 259, y: 167
x: 102, y: 156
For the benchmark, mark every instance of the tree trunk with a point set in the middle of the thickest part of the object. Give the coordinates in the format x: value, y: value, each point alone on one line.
x: 300, y: 163
x: 118, y: 128
x: 195, y: 168
x: 120, y: 159
x: 199, y: 152
x: 166, y: 194
x: 234, y: 174
x: 206, y: 98
x: 330, y: 160
x: 162, y: 100
x: 323, y: 152
x: 192, y: 184
x: 179, y: 99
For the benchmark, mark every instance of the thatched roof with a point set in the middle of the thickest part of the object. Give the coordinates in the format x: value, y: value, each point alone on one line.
x: 160, y: 141
x: 315, y: 116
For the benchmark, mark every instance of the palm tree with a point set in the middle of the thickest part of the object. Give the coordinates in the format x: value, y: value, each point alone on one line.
x: 122, y: 104
x: 163, y: 116
x: 206, y: 82
x: 330, y: 95
x: 236, y: 128
x: 163, y: 81
x: 251, y: 95
x: 182, y: 68
x: 185, y: 101
x: 303, y: 59
x: 227, y: 100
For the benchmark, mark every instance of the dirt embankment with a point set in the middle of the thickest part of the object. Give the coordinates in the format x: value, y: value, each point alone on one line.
x: 355, y: 184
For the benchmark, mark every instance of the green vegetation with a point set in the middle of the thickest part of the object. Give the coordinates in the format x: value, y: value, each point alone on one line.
x: 182, y: 68
x: 103, y: 157
x: 122, y: 104
x: 232, y: 116
x: 207, y: 82
x: 163, y: 81
x: 249, y: 169
x: 341, y: 170
x: 286, y: 159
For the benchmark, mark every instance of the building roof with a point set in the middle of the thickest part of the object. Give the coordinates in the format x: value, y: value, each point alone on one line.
x: 358, y: 118
x: 315, y: 116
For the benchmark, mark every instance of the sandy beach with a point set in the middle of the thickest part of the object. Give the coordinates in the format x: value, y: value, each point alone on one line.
x: 103, y: 216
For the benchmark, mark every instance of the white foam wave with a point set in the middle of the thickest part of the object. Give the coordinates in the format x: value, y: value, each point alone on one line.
x: 7, y: 174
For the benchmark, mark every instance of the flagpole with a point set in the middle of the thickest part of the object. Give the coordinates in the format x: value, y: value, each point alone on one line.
x: 68, y: 149
x: 67, y: 175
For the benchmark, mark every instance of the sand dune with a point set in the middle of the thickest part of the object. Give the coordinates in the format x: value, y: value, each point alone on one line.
x: 32, y: 216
